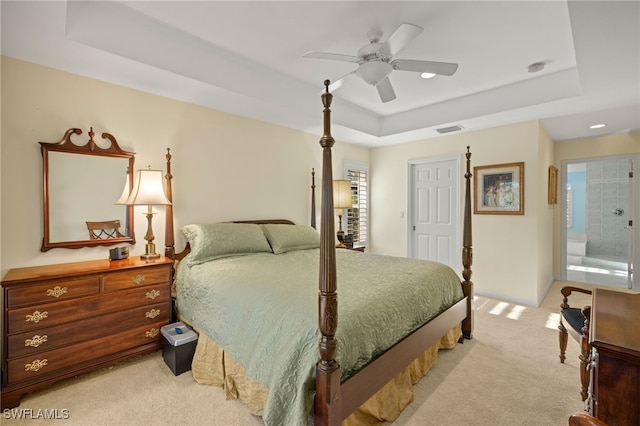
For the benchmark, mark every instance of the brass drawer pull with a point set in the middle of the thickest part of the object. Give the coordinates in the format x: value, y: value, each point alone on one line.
x: 36, y: 365
x: 152, y: 313
x: 152, y: 333
x: 36, y: 317
x: 35, y: 341
x: 138, y: 279
x: 57, y: 291
x: 152, y: 294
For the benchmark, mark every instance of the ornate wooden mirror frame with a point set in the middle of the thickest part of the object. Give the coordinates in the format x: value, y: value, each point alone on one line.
x: 90, y: 148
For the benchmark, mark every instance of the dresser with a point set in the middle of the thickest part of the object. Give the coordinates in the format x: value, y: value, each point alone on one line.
x: 66, y: 319
x: 614, y: 391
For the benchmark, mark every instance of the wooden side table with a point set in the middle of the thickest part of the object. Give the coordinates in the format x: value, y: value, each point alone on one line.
x: 614, y: 392
x: 361, y: 248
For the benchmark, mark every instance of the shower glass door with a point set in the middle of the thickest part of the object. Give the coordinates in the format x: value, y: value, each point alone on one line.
x: 599, y: 214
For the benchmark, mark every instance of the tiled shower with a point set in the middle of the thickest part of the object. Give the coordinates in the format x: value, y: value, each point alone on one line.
x: 597, y: 214
x: 607, y: 209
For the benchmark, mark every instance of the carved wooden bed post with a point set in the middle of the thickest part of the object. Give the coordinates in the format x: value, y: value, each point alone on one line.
x: 327, y: 402
x: 467, y: 252
x: 313, y: 198
x: 169, y: 243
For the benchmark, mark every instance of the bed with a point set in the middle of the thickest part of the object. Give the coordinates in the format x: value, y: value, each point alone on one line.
x: 271, y: 286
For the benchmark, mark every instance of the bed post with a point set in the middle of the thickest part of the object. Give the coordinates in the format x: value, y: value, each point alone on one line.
x: 313, y: 198
x: 327, y: 401
x: 467, y: 253
x: 169, y: 244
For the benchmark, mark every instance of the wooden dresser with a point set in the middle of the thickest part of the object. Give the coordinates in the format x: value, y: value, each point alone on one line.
x: 66, y: 319
x: 614, y: 392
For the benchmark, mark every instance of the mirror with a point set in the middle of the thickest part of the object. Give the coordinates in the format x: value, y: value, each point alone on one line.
x: 82, y: 184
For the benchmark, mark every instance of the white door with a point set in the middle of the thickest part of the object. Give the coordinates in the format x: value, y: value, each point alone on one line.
x: 434, y: 211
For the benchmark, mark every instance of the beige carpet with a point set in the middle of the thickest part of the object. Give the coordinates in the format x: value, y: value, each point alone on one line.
x: 509, y: 374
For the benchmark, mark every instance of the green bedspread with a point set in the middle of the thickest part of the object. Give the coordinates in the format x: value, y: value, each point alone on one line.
x: 263, y: 310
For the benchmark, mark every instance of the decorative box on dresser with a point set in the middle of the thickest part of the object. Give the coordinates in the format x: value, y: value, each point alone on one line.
x: 66, y: 319
x: 614, y: 390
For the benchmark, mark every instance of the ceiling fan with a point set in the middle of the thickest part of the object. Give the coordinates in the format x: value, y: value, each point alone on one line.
x: 375, y: 60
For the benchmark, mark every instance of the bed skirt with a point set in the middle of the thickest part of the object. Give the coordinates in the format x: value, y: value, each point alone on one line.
x: 212, y: 366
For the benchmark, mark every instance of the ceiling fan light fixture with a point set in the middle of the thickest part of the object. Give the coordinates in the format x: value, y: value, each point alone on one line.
x: 427, y: 75
x: 374, y: 72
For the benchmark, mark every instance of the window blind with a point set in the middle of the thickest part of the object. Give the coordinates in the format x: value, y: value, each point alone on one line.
x: 358, y: 215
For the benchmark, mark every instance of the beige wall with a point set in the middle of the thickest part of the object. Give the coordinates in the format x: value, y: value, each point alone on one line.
x: 585, y: 149
x: 511, y: 253
x: 225, y: 167
x: 545, y: 215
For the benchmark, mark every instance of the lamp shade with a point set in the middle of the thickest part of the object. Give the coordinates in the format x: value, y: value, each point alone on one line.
x: 148, y: 189
x: 125, y: 193
x: 342, y: 194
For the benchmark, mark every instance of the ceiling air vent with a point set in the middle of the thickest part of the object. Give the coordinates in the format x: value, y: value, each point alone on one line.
x: 449, y: 129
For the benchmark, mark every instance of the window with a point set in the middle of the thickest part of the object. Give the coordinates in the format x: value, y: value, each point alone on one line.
x: 357, y: 218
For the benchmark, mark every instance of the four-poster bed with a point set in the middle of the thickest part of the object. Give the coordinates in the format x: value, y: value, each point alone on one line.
x: 344, y: 381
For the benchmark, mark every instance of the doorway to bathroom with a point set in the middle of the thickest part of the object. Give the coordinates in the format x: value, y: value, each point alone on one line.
x: 598, y: 214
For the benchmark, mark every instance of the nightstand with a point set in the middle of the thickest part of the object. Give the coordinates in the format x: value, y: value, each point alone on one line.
x: 614, y: 389
x: 361, y: 248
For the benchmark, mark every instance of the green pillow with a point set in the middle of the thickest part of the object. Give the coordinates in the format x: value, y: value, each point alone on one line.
x: 216, y: 240
x: 284, y: 238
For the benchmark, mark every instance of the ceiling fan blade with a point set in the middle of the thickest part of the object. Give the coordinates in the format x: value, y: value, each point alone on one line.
x: 440, y: 68
x: 402, y: 36
x: 385, y: 90
x: 330, y: 56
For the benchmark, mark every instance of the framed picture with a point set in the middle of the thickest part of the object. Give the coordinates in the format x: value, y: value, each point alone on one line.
x: 553, y: 185
x: 499, y: 189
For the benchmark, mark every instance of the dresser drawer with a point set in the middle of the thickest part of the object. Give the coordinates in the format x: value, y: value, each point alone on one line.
x: 33, y: 342
x: 50, y: 291
x: 74, y: 357
x: 37, y: 317
x: 136, y: 278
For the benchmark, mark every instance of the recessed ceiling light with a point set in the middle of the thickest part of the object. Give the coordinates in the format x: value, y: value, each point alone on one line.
x: 536, y: 66
x: 427, y: 75
x: 597, y: 126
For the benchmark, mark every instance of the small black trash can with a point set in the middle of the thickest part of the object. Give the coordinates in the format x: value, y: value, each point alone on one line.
x: 178, y: 346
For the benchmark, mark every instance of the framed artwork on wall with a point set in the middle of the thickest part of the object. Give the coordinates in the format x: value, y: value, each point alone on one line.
x: 499, y: 189
x: 553, y: 185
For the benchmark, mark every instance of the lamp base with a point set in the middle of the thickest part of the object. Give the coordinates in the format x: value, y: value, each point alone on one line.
x: 150, y: 252
x: 149, y: 256
x: 150, y: 247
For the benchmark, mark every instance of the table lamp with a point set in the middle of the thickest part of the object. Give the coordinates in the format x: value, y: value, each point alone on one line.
x: 341, y: 200
x: 148, y: 190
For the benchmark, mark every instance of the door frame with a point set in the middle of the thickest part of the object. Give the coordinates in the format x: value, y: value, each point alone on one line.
x: 634, y: 204
x: 457, y: 203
